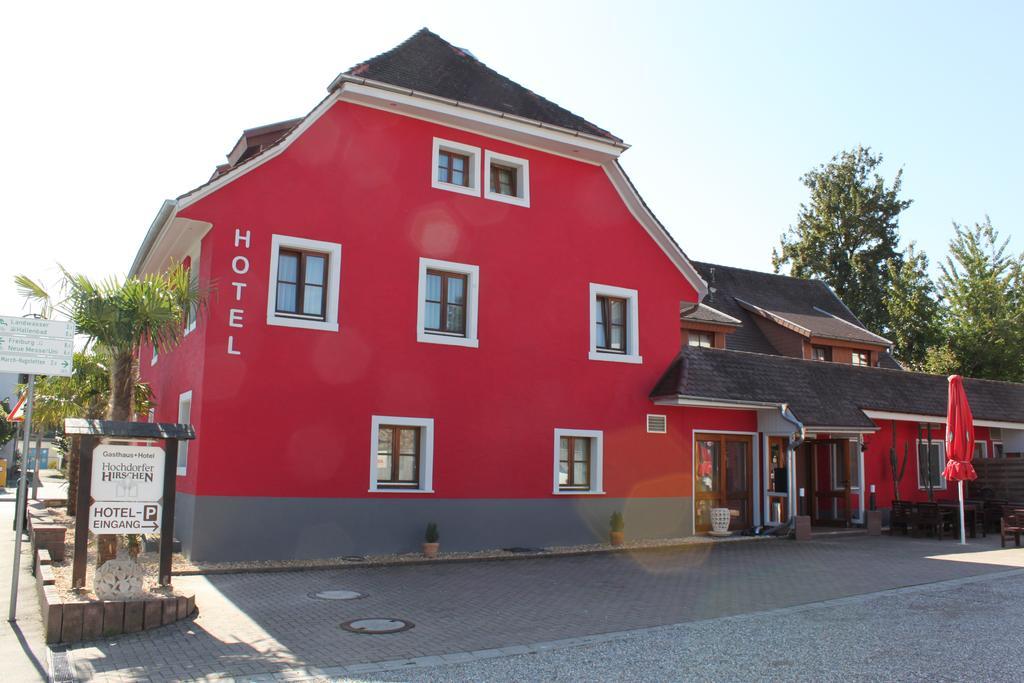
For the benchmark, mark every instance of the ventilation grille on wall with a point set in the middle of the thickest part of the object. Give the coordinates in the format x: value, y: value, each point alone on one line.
x: 657, y: 424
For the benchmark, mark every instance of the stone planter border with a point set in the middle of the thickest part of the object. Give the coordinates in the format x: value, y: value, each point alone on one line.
x: 71, y: 622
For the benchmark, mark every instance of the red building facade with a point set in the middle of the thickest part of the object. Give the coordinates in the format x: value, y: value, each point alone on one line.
x: 427, y: 309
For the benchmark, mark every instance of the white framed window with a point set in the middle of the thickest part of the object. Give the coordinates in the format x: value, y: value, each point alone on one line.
x: 401, y: 454
x: 936, y: 458
x: 579, y: 462
x: 184, y: 417
x: 455, y: 167
x: 305, y: 280
x: 657, y: 424
x: 997, y: 450
x: 980, y: 449
x: 506, y: 178
x: 614, y: 324
x: 448, y: 303
x: 193, y: 267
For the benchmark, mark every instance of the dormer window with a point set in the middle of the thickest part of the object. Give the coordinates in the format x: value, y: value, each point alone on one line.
x: 862, y: 358
x: 508, y: 179
x: 704, y: 340
x: 823, y: 353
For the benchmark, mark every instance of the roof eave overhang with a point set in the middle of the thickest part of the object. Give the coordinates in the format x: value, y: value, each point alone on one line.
x: 519, y: 129
x: 939, y: 419
x: 169, y: 236
x: 702, y: 402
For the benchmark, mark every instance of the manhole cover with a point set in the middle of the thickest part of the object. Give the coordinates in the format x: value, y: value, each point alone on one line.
x: 337, y: 594
x: 377, y: 625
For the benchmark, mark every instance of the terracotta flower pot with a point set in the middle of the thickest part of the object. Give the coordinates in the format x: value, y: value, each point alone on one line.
x: 617, y: 537
x: 430, y: 549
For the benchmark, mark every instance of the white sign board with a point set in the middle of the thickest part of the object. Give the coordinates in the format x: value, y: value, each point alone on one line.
x: 124, y: 518
x: 38, y: 347
x: 132, y: 474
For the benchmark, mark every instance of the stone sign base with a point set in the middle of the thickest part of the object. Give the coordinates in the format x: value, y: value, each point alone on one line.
x: 70, y: 622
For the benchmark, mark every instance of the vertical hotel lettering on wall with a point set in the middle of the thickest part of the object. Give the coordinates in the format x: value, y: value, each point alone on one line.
x: 240, y: 267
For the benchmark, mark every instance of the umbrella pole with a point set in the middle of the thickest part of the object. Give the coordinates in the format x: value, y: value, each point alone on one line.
x: 963, y: 535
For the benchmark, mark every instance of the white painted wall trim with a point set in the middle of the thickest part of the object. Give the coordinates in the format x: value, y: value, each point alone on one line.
x: 632, y: 298
x: 522, y: 168
x: 426, y: 425
x: 472, y: 273
x: 596, y: 461
x: 184, y: 417
x: 333, y: 289
x: 472, y: 167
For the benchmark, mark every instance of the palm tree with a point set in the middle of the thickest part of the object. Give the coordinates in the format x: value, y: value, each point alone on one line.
x: 86, y: 393
x: 119, y: 316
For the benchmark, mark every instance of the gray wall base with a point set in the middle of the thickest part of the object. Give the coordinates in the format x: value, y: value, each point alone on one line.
x: 225, y: 528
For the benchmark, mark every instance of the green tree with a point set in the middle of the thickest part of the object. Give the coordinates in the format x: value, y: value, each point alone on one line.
x: 848, y: 232
x: 119, y: 316
x: 982, y: 286
x: 911, y: 308
x: 86, y: 393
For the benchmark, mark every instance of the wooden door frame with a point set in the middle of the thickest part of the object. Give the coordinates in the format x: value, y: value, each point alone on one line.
x: 722, y: 436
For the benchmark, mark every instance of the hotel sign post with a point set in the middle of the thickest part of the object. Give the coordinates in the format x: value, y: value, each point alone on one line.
x: 125, y: 489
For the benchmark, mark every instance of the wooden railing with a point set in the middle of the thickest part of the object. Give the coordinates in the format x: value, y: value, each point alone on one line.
x: 1005, y: 478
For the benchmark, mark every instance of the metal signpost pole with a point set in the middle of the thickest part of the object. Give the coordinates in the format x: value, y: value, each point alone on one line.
x: 22, y: 492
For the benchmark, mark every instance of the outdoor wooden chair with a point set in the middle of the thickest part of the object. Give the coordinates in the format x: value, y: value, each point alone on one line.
x: 1011, y: 525
x: 901, y: 517
x: 929, y: 517
x: 993, y: 514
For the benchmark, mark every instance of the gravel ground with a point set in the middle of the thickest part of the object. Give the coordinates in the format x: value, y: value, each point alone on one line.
x: 953, y: 631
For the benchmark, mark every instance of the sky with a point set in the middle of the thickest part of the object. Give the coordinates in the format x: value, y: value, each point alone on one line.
x: 110, y: 108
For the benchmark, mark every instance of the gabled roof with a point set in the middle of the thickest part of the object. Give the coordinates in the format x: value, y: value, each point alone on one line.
x: 828, y: 394
x: 427, y: 63
x: 808, y: 307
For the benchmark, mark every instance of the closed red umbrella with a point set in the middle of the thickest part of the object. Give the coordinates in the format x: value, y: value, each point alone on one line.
x: 959, y: 442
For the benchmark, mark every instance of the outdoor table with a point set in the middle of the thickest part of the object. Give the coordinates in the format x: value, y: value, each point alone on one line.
x: 970, y: 516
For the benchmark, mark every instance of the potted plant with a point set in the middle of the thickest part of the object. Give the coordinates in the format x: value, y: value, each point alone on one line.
x: 431, y: 539
x: 618, y: 526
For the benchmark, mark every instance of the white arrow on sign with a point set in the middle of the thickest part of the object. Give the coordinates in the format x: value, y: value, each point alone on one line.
x: 116, y: 517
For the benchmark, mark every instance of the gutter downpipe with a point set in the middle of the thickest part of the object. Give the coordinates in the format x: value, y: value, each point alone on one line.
x: 795, y: 441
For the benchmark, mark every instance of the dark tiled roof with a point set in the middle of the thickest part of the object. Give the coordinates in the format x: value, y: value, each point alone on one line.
x: 429, y: 64
x: 828, y: 394
x: 807, y: 304
x: 705, y: 314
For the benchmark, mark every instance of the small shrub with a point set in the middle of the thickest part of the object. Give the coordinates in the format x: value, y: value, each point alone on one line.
x: 432, y: 536
x: 617, y: 522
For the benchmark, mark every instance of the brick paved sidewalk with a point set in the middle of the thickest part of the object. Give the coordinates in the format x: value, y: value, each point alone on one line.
x: 263, y: 623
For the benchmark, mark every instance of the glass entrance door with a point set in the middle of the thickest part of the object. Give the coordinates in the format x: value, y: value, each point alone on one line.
x: 722, y: 478
x: 777, y: 481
